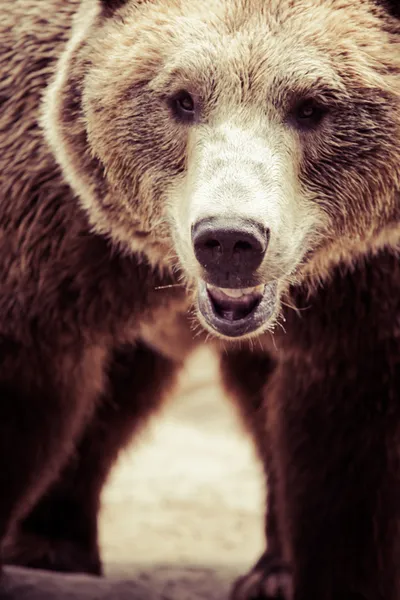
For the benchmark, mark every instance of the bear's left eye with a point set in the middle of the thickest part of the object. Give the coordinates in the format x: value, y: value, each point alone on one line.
x: 183, y: 106
x: 308, y: 113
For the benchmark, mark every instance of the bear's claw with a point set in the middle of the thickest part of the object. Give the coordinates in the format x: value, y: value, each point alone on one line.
x: 270, y: 579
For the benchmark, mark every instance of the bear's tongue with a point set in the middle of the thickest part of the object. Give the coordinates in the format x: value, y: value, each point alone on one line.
x: 235, y: 304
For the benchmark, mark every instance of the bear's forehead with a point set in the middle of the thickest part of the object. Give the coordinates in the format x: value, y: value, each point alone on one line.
x: 252, y: 47
x: 308, y: 39
x: 286, y: 22
x: 268, y: 46
x: 270, y: 24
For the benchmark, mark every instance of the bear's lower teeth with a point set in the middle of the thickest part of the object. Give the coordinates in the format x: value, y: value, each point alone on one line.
x: 235, y: 304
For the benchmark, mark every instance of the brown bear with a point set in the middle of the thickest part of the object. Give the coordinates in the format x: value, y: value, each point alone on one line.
x: 173, y: 170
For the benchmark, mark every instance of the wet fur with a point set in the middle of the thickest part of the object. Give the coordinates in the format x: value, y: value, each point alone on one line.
x: 92, y: 334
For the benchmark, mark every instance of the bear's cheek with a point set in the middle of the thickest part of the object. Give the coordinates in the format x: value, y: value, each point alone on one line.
x: 344, y: 167
x: 142, y: 150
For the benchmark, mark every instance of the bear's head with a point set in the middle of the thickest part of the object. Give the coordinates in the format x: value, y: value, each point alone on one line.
x: 250, y: 144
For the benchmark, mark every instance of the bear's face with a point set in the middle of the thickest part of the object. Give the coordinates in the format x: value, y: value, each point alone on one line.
x: 246, y: 143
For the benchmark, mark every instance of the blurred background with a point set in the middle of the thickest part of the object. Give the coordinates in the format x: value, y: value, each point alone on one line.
x: 189, y: 491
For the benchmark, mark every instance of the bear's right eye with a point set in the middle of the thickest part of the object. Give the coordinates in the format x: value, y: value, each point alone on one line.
x: 183, y: 106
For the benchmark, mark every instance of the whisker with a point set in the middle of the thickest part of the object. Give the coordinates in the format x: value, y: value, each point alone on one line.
x: 273, y: 339
x: 163, y: 287
x: 281, y: 326
x: 295, y: 308
x: 260, y: 343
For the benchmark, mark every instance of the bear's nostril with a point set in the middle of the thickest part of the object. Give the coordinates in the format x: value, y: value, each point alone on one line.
x: 242, y: 247
x: 214, y: 246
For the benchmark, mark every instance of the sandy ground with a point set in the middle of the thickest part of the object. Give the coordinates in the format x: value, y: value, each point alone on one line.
x: 182, y: 513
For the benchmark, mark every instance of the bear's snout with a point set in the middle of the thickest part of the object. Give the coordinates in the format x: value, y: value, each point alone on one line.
x: 230, y: 250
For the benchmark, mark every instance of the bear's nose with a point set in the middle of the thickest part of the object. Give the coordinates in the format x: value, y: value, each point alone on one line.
x: 229, y: 249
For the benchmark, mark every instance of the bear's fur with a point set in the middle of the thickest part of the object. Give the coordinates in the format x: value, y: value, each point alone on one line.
x: 101, y: 185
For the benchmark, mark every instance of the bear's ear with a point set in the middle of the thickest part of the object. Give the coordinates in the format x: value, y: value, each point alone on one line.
x: 111, y: 6
x: 392, y: 7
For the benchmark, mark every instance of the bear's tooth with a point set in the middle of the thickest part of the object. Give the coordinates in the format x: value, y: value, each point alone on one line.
x: 232, y: 293
x: 238, y: 292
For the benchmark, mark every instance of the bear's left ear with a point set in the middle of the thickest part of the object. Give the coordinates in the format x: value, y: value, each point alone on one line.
x: 392, y: 7
x: 110, y: 6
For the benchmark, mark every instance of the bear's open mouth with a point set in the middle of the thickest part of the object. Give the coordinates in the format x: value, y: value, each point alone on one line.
x: 233, y: 305
x: 237, y: 312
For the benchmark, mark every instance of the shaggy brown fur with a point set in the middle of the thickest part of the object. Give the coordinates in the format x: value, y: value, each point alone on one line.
x: 98, y: 187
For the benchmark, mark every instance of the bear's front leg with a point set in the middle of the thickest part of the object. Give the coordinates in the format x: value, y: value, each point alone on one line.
x: 334, y: 431
x: 45, y: 401
x: 61, y: 532
x: 245, y: 373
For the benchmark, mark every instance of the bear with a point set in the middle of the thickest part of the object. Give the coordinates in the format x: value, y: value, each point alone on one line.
x: 224, y: 171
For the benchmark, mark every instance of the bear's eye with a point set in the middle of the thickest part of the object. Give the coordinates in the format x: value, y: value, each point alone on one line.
x: 308, y: 113
x: 183, y: 106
